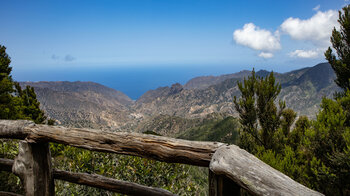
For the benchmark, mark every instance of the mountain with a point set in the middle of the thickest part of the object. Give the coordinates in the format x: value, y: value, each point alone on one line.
x: 203, y: 82
x: 302, y: 90
x: 304, y: 93
x: 321, y: 76
x: 83, y: 104
x: 173, y: 109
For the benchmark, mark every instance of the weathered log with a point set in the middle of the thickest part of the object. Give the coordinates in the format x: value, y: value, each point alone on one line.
x: 3, y: 193
x: 148, y: 146
x: 255, y: 176
x: 33, y: 166
x: 109, y: 184
x: 14, y: 128
x: 6, y: 164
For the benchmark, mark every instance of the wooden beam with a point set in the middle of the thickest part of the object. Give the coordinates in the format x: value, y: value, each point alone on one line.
x: 109, y: 184
x: 3, y: 193
x: 98, y: 181
x: 148, y: 146
x: 33, y: 166
x: 255, y: 176
x: 6, y: 164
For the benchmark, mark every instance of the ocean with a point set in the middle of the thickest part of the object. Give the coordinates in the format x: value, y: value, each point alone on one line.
x: 133, y: 80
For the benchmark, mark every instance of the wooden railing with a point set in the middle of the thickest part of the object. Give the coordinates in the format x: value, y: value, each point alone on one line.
x: 230, y: 168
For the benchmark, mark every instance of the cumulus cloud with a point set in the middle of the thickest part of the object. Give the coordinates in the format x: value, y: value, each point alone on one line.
x: 69, y: 58
x: 304, y: 54
x: 266, y: 55
x: 317, y: 29
x: 256, y: 38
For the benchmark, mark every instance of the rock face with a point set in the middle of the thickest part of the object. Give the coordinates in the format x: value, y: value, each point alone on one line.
x: 87, y: 104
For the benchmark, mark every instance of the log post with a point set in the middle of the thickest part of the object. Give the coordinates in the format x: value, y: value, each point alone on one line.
x: 33, y: 166
x: 220, y: 185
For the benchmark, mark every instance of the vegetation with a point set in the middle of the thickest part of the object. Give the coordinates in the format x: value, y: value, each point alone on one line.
x: 341, y: 41
x: 315, y: 153
x: 220, y: 130
x: 177, y: 178
x: 16, y: 103
x: 263, y: 123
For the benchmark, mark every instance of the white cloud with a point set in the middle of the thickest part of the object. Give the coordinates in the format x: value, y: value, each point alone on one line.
x: 317, y: 29
x: 256, y: 38
x: 316, y: 8
x: 304, y: 54
x: 266, y: 55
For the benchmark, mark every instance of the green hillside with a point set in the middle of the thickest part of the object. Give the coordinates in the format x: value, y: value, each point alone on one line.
x: 225, y: 131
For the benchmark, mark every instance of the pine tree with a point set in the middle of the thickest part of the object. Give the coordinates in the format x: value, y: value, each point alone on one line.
x: 16, y: 103
x: 30, y: 104
x: 257, y: 108
x: 249, y: 136
x: 9, y: 105
x: 268, y: 114
x: 341, y: 43
x: 329, y: 139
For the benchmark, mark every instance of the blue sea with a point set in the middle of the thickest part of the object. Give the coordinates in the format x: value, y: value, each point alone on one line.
x: 133, y: 81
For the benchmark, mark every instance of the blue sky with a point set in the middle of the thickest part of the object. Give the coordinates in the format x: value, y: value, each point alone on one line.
x: 188, y: 34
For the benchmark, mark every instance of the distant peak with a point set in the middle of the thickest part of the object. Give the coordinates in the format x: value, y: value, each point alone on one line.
x: 262, y: 73
x: 176, y: 88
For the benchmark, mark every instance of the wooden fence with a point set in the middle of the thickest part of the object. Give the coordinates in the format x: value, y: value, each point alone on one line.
x: 230, y: 168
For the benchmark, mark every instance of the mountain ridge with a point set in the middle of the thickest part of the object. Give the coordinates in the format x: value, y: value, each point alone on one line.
x: 88, y: 104
x: 82, y: 104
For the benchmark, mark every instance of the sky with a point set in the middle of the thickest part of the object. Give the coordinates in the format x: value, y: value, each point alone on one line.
x: 151, y: 43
